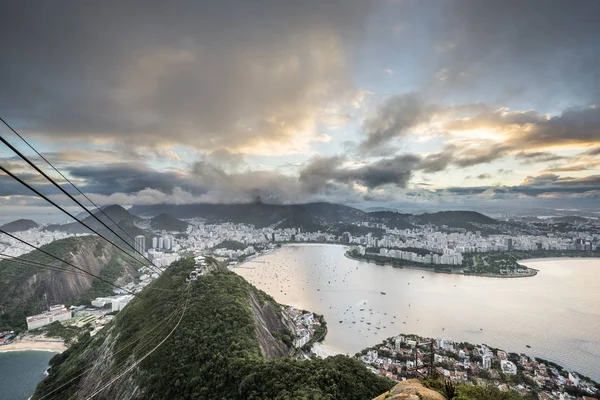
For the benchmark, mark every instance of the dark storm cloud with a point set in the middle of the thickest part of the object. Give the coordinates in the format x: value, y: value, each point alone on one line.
x: 592, y: 152
x: 209, y: 74
x: 538, y: 49
x: 395, y: 171
x: 537, y: 156
x: 393, y: 118
x: 483, y: 176
x: 132, y: 177
x: 531, y: 129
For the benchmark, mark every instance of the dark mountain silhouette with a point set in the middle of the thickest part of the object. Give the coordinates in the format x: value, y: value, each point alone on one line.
x: 19, y: 225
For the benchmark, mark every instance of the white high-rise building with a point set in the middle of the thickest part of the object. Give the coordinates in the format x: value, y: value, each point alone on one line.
x: 487, y: 362
x: 154, y: 242
x: 166, y: 242
x: 160, y: 243
x: 140, y: 243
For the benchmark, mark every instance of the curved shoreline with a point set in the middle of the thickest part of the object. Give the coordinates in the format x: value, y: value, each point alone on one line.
x: 25, y: 345
x: 557, y: 259
x: 520, y: 262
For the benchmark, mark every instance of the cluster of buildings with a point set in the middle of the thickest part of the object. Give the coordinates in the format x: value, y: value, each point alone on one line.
x: 164, y: 242
x: 35, y: 236
x: 234, y: 254
x: 429, y: 238
x: 6, y: 337
x: 114, y: 303
x: 305, y: 325
x: 450, y: 257
x: 401, y: 357
x: 446, y: 246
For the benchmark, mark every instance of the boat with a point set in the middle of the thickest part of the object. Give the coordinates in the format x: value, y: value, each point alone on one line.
x: 528, y: 346
x: 382, y: 292
x: 341, y: 322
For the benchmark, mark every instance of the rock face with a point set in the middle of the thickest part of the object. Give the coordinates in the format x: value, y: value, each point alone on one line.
x: 29, y: 289
x: 268, y: 321
x: 411, y: 389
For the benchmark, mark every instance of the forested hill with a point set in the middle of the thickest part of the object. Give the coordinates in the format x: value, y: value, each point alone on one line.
x: 228, y: 345
x: 29, y: 289
x: 126, y: 221
x: 19, y: 225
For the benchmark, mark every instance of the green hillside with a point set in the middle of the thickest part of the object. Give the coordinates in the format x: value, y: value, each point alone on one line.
x: 219, y: 351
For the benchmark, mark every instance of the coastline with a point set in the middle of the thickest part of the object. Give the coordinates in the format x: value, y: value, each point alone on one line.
x: 520, y: 262
x: 556, y: 259
x: 534, y: 273
x: 34, y: 345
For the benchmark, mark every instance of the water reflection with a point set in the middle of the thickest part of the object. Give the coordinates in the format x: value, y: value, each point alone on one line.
x: 556, y: 312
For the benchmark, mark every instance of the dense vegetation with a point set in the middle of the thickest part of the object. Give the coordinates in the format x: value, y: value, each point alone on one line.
x: 214, y: 353
x: 493, y: 263
x: 231, y: 245
x: 168, y: 223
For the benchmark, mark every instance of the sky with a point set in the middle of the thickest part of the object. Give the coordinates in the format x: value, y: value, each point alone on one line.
x: 406, y: 103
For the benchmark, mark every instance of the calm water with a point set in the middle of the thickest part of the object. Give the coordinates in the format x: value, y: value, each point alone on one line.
x: 21, y: 371
x: 556, y: 312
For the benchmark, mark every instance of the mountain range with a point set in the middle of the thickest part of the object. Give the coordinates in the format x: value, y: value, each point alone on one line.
x: 129, y: 223
x: 310, y: 217
x: 315, y: 216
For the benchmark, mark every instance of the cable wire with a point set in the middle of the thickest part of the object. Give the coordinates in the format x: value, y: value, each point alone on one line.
x: 135, y: 364
x: 22, y: 182
x: 66, y: 262
x: 24, y: 158
x: 164, y: 321
x: 64, y: 177
x: 13, y: 259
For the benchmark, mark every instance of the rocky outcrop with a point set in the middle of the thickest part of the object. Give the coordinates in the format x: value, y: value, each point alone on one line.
x: 411, y: 389
x: 269, y: 321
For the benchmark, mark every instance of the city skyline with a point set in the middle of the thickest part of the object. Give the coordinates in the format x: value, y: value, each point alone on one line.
x: 391, y: 103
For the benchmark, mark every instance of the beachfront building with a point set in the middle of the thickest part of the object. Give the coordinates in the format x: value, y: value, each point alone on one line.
x: 56, y: 313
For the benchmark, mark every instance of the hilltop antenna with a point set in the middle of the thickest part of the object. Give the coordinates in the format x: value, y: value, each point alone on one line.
x: 430, y: 365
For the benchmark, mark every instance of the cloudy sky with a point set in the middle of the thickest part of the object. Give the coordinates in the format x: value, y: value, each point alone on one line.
x: 456, y: 103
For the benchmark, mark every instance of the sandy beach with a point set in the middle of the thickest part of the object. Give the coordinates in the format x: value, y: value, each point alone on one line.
x: 21, y: 345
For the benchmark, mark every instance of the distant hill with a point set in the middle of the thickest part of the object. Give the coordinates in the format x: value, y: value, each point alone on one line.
x: 117, y: 213
x: 570, y: 219
x: 168, y: 223
x: 391, y: 219
x: 310, y: 217
x: 455, y: 219
x: 232, y: 343
x: 19, y: 225
x: 26, y: 290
